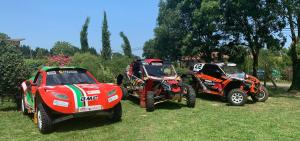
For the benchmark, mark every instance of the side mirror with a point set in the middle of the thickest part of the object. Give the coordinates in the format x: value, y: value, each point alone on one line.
x: 30, y: 83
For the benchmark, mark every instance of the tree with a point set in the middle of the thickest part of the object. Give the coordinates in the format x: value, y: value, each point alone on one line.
x: 106, y: 49
x: 186, y: 27
x: 3, y: 36
x: 254, y: 24
x: 13, y: 70
x: 149, y: 50
x: 126, y: 45
x: 83, y: 36
x: 41, y: 53
x: 292, y: 14
x: 63, y: 47
x: 93, y: 51
x: 27, y: 51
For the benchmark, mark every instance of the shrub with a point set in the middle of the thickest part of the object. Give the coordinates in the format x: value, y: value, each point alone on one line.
x: 13, y: 70
x: 94, y: 65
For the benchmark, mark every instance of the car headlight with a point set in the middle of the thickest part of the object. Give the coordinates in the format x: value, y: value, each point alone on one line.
x: 60, y: 96
x: 112, y: 92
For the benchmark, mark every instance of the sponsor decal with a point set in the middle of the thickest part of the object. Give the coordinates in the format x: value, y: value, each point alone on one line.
x: 113, y: 98
x: 88, y: 98
x: 51, y: 72
x: 93, y: 92
x: 88, y: 86
x: 60, y: 103
x: 90, y: 108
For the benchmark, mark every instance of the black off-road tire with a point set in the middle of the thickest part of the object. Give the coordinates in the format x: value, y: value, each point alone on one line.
x: 190, y: 95
x: 23, y: 107
x: 125, y: 93
x: 237, y: 97
x: 117, y: 113
x: 262, y: 96
x: 44, y: 119
x: 150, y: 101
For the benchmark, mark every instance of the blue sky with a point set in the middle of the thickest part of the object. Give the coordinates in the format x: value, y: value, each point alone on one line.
x: 43, y: 23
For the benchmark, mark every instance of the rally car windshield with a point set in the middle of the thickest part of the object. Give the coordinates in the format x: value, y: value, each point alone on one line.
x: 231, y: 70
x: 164, y: 70
x: 64, y: 77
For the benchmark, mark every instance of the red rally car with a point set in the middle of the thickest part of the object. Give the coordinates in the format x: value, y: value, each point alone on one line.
x: 56, y: 94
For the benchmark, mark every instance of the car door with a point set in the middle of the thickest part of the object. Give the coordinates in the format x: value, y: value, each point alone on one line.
x: 33, y: 89
x: 211, y: 77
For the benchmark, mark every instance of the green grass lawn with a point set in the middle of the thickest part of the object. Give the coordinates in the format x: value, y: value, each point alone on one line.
x: 211, y: 119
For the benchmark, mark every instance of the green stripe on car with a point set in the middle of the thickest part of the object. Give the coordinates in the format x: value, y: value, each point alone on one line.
x: 77, y: 95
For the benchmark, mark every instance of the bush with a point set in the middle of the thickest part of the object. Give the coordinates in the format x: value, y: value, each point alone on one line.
x: 13, y: 70
x: 94, y: 65
x: 33, y: 65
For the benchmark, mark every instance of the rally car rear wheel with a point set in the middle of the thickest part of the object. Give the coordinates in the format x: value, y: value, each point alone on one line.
x: 189, y: 92
x: 117, y: 113
x: 262, y: 96
x: 150, y: 101
x: 237, y: 97
x: 43, y: 119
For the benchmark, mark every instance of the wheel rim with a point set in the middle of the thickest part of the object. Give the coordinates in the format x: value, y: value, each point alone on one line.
x: 39, y: 116
x: 22, y: 106
x: 237, y: 98
x: 261, y: 95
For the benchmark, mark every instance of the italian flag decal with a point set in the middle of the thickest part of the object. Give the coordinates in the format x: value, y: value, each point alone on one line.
x: 77, y: 93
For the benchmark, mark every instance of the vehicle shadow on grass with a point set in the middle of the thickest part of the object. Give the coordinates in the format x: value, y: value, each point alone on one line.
x: 169, y: 105
x: 82, y: 123
x: 219, y: 99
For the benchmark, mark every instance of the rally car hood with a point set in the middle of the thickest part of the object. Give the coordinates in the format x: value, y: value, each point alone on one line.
x: 243, y: 76
x: 75, y: 98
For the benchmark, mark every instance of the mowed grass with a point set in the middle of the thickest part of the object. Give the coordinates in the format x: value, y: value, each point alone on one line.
x: 211, y: 119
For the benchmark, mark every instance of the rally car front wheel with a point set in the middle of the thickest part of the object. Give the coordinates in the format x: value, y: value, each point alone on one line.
x: 44, y: 121
x: 117, y: 113
x: 237, y: 97
x: 189, y: 92
x: 150, y: 101
x: 261, y: 96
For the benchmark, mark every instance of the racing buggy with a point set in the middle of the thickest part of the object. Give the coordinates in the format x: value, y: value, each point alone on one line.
x: 154, y: 81
x: 56, y: 94
x: 234, y: 86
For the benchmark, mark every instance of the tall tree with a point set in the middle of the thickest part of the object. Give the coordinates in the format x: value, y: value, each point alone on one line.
x: 106, y: 49
x: 186, y: 27
x: 254, y: 24
x: 292, y: 12
x: 149, y: 50
x: 83, y: 36
x: 126, y: 45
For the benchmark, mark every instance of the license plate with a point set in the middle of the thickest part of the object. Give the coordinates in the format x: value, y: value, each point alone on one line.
x: 90, y: 108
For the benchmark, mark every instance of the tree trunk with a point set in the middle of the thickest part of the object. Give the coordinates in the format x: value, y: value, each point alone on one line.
x: 296, y: 77
x: 255, y: 63
x: 296, y: 64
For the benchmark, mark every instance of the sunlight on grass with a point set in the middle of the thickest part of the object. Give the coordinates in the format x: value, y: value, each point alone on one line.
x: 276, y: 119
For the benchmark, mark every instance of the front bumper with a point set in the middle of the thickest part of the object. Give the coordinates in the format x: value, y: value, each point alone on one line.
x: 63, y: 117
